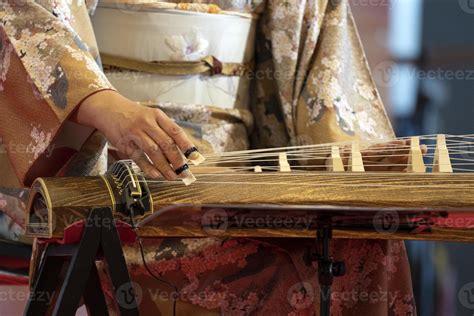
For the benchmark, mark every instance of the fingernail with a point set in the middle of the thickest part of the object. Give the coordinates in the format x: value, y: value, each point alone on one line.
x: 196, y: 158
x: 194, y: 155
x: 187, y: 177
x: 155, y: 174
x: 171, y: 175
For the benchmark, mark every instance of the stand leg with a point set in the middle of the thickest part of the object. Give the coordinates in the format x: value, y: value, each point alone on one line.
x: 80, y: 267
x: 325, y: 300
x: 42, y: 294
x: 123, y: 287
x: 327, y: 268
x: 325, y: 275
x: 93, y: 296
x: 82, y: 279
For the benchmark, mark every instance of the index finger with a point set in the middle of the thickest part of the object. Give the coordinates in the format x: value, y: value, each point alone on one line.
x: 179, y: 137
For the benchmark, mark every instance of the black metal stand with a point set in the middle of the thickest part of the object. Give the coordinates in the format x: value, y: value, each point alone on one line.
x: 327, y: 267
x: 100, y: 236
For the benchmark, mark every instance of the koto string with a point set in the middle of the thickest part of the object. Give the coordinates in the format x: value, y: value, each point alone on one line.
x: 326, y: 149
x: 248, y: 169
x: 389, y: 149
x: 315, y: 146
x: 382, y: 150
x: 467, y: 184
x: 453, y: 181
x: 239, y: 183
x: 458, y: 149
x: 458, y: 146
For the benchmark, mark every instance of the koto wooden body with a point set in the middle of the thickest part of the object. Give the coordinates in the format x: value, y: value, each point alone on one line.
x: 55, y: 203
x: 384, y: 190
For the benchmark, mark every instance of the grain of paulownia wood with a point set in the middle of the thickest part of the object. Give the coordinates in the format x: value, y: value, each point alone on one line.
x: 68, y: 199
x: 71, y: 198
x: 402, y: 190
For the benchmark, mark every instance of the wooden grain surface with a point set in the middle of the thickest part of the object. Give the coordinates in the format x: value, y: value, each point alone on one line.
x: 441, y: 191
x: 72, y: 199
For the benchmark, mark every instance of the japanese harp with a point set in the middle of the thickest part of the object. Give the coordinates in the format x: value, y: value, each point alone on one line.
x: 333, y: 183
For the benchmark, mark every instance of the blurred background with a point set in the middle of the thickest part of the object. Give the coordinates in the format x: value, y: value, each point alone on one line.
x: 421, y: 53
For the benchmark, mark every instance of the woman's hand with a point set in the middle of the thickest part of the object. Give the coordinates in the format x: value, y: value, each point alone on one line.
x: 148, y: 136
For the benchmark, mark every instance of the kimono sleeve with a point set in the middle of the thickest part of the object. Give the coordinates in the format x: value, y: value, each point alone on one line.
x: 46, y: 71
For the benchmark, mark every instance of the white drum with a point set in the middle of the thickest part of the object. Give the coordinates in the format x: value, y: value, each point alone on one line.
x: 221, y: 91
x: 153, y: 34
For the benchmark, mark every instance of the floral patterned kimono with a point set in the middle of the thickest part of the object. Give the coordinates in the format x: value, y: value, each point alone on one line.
x: 319, y: 90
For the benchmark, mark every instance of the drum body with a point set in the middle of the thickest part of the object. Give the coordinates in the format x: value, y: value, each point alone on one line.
x: 152, y: 34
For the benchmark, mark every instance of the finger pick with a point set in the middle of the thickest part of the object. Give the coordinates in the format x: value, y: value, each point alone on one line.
x: 194, y: 156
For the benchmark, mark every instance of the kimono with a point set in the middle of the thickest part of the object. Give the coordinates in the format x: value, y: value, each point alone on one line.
x: 318, y: 89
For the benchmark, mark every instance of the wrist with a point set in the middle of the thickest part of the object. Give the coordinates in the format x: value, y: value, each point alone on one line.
x: 94, y: 107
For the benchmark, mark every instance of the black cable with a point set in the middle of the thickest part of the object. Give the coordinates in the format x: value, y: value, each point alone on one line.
x: 134, y: 227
